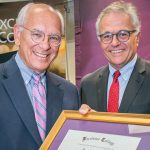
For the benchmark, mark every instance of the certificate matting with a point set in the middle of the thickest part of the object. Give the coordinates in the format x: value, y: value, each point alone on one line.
x: 83, y: 140
x: 100, y: 122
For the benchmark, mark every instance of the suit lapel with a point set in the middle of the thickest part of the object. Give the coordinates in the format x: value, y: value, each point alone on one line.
x: 20, y: 99
x: 54, y: 100
x: 133, y: 86
x: 102, y: 89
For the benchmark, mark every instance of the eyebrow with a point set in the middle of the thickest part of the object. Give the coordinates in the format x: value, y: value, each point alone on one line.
x: 37, y: 30
x: 51, y: 34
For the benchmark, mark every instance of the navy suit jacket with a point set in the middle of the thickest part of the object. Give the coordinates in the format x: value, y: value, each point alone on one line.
x: 18, y: 129
x: 136, y: 98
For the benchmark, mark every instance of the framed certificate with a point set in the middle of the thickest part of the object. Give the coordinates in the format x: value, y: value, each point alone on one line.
x: 99, y: 131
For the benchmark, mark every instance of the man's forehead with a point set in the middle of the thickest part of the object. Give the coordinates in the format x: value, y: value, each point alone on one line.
x: 116, y: 20
x: 40, y: 9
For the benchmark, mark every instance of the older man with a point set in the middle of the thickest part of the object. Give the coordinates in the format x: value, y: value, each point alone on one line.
x: 123, y: 85
x: 31, y: 98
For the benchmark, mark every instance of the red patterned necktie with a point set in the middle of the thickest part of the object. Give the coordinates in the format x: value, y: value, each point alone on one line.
x: 113, y: 99
x: 39, y: 104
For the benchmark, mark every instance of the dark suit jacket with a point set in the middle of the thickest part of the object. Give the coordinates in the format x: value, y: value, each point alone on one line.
x: 18, y: 129
x: 136, y: 98
x: 6, y: 56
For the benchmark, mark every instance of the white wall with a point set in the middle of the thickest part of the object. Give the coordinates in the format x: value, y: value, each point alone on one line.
x: 70, y: 59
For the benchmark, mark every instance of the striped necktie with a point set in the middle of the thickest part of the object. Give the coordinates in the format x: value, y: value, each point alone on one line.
x: 114, y: 94
x: 39, y: 104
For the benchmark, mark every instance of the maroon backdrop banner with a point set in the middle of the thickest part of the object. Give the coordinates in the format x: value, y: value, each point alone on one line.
x: 89, y: 55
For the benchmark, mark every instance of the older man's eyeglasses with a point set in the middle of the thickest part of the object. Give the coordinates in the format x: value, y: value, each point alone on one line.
x: 38, y: 36
x: 122, y: 36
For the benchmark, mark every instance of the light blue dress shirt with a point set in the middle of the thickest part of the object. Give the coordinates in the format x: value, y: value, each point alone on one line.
x: 27, y: 76
x: 123, y: 78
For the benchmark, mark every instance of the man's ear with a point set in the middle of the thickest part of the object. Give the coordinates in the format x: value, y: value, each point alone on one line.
x: 138, y: 38
x: 17, y: 33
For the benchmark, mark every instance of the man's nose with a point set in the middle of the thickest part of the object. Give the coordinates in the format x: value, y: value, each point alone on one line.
x: 115, y: 42
x: 45, y: 44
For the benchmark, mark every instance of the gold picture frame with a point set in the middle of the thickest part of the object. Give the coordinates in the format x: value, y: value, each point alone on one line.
x: 105, y: 117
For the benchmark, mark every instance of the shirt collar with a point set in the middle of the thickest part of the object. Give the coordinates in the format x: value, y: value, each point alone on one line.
x: 127, y: 69
x: 25, y: 71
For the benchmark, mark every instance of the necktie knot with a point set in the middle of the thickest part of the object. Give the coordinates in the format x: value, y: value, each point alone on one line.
x: 116, y: 75
x: 36, y: 78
